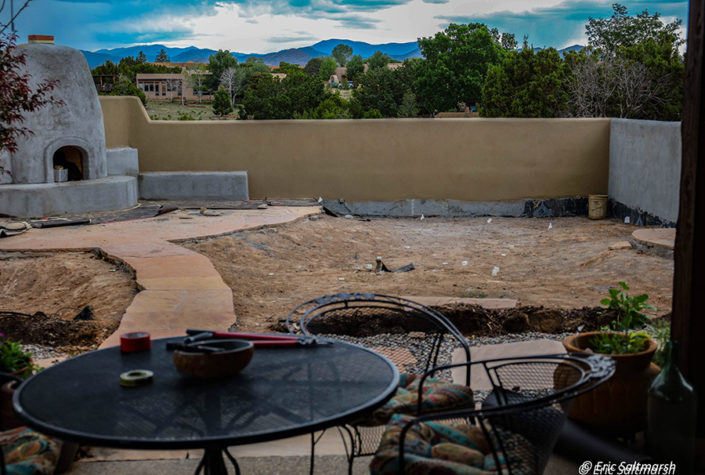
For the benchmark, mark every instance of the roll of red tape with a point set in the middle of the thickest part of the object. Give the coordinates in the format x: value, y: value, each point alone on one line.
x: 136, y: 341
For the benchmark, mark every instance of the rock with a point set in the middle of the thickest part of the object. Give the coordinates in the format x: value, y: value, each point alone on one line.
x: 262, y: 206
x: 516, y: 323
x: 620, y: 245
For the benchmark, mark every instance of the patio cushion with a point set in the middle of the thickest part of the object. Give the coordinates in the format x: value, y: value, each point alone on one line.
x: 458, y: 448
x: 438, y: 395
x: 29, y: 452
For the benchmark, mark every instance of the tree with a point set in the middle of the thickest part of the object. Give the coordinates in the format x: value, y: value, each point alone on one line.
x: 141, y: 57
x: 457, y: 61
x: 221, y: 103
x: 378, y: 60
x: 288, y: 68
x: 341, y: 53
x: 631, y: 68
x: 125, y: 87
x: 384, y: 90
x: 232, y: 80
x: 313, y: 66
x: 621, y: 30
x: 526, y: 84
x: 161, y: 57
x: 16, y: 95
x: 327, y: 68
x: 265, y: 98
x: 355, y: 67
x: 197, y: 81
x: 217, y: 63
x: 269, y: 98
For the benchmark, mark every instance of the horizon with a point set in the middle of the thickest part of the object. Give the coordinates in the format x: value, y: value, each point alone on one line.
x: 261, y: 27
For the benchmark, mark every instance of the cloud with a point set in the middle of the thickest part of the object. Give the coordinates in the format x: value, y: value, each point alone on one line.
x: 240, y: 24
x: 302, y: 36
x: 562, y: 24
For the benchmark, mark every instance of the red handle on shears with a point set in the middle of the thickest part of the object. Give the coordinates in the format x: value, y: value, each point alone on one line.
x: 244, y: 336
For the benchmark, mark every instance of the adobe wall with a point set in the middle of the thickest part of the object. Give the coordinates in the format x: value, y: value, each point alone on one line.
x: 645, y: 170
x: 376, y: 160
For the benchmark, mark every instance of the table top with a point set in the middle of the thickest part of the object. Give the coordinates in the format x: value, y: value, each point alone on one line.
x: 283, y: 392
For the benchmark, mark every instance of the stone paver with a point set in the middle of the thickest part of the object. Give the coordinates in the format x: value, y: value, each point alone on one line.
x: 662, y: 237
x: 179, y: 288
x: 478, y: 379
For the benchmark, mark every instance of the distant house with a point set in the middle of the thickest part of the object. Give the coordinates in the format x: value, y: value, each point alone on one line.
x: 168, y: 86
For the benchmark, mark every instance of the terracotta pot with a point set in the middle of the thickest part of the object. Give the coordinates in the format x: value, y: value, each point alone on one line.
x: 619, y: 405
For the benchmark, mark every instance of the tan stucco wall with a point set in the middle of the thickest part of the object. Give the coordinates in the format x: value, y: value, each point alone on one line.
x: 377, y: 160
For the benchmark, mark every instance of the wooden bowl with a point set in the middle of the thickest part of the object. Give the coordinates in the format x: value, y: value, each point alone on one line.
x: 236, y: 355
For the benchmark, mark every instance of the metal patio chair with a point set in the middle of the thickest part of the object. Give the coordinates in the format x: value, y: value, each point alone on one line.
x: 512, y: 431
x: 375, y: 314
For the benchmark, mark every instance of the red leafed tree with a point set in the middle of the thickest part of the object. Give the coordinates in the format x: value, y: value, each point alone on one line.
x: 16, y: 95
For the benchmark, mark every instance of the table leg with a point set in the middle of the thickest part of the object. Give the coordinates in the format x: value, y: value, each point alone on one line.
x: 213, y: 463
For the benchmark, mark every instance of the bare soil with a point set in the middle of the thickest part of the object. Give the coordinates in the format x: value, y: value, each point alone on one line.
x: 53, y: 288
x: 568, y: 266
x: 558, y: 275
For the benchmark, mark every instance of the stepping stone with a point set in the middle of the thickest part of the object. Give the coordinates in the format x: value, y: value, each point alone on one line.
x: 478, y: 378
x: 659, y: 237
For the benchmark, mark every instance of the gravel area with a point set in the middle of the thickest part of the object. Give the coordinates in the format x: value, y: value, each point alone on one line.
x: 40, y: 352
x: 420, y: 346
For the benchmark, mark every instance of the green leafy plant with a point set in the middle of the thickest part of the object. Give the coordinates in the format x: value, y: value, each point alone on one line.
x: 13, y: 358
x: 629, y: 309
x: 612, y: 343
x: 618, y: 337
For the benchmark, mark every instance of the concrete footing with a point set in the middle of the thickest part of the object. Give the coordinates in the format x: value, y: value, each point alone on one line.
x: 530, y: 208
x: 194, y: 185
x: 51, y: 199
x: 122, y: 162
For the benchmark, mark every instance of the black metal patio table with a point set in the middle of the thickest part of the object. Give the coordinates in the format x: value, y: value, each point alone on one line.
x: 283, y: 392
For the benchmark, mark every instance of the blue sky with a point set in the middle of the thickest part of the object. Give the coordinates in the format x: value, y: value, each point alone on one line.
x: 261, y: 26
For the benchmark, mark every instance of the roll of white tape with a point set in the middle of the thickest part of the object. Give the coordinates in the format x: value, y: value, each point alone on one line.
x: 136, y: 377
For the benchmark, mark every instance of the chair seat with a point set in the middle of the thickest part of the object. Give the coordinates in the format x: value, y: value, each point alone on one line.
x: 457, y: 448
x: 29, y: 452
x: 438, y: 395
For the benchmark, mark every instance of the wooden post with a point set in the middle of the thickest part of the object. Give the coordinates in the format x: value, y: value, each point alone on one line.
x: 688, y: 325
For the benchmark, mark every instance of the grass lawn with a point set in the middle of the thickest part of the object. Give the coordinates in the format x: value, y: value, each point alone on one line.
x: 166, y: 110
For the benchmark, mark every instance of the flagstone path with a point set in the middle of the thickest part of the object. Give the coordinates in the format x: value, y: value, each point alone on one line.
x: 179, y: 287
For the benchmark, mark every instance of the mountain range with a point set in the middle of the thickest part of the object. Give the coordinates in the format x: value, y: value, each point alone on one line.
x: 301, y: 56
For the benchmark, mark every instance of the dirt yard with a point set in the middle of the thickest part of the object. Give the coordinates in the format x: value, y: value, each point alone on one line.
x: 59, y: 285
x: 562, y: 263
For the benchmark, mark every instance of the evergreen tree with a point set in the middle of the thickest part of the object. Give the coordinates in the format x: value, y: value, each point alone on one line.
x: 221, y: 103
x: 141, y: 57
x: 525, y: 84
x: 162, y: 57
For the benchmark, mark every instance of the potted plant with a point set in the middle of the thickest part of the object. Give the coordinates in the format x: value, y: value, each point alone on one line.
x: 13, y: 360
x: 618, y: 406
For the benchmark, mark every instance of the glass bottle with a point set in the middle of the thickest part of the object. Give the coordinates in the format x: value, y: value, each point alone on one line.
x: 670, y: 434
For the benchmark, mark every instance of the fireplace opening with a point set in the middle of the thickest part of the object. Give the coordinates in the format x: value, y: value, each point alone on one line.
x: 71, y: 159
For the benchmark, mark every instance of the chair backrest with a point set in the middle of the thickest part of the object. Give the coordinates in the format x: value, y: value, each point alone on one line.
x: 524, y: 412
x: 362, y: 314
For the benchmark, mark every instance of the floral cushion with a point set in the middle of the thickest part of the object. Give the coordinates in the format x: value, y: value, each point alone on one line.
x: 438, y: 395
x: 27, y: 452
x: 459, y: 448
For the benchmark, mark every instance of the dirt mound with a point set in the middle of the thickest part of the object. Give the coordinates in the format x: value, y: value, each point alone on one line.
x: 39, y: 329
x: 471, y: 320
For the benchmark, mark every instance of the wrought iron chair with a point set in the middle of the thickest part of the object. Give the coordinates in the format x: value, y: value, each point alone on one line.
x: 512, y: 431
x: 375, y: 314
